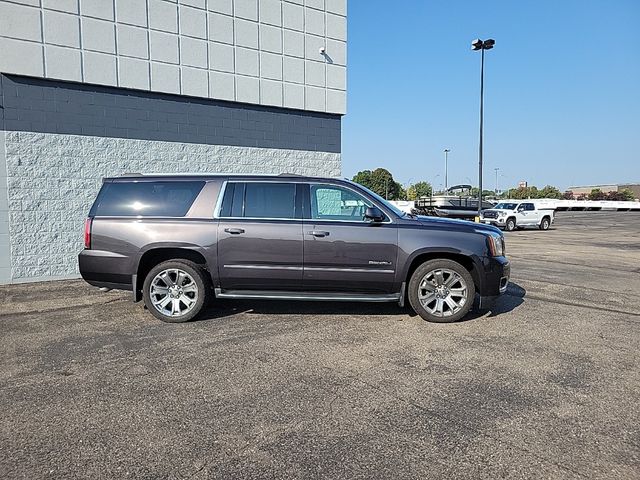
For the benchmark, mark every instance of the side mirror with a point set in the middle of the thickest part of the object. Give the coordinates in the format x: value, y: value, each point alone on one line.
x: 374, y: 214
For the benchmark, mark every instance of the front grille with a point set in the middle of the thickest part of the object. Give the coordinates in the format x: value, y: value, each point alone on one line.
x: 490, y: 214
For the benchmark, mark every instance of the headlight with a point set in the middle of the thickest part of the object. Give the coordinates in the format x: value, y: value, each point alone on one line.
x: 496, y: 245
x: 501, y: 213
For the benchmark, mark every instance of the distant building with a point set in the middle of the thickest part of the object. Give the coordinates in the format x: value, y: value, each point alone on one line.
x: 586, y: 189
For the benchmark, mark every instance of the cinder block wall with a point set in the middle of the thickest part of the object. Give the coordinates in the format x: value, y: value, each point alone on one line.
x: 61, y: 139
x: 5, y: 246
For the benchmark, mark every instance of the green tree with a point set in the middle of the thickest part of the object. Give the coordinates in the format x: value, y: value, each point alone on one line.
x: 549, y: 192
x: 568, y: 195
x: 597, y: 194
x: 418, y: 190
x: 520, y: 193
x: 485, y: 193
x: 381, y: 182
x: 620, y: 195
x: 627, y: 194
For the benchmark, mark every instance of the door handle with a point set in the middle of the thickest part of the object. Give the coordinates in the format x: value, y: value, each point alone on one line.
x: 234, y: 231
x: 318, y: 233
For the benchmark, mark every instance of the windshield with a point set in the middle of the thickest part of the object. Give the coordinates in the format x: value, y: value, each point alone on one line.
x: 506, y: 206
x: 378, y: 198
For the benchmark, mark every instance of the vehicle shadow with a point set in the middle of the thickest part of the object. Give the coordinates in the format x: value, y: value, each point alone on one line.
x: 221, y: 308
x: 512, y: 299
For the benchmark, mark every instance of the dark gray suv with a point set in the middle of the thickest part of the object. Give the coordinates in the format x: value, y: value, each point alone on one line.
x: 179, y: 241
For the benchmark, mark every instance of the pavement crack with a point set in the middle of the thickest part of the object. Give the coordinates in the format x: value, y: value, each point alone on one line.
x: 576, y: 304
x: 60, y: 309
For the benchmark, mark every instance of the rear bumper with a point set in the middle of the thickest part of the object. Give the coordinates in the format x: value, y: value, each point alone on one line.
x: 105, y: 269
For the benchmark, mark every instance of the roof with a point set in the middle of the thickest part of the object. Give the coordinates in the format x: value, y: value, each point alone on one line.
x: 128, y: 177
x: 628, y: 184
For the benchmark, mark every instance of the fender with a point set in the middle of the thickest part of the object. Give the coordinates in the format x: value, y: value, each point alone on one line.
x: 443, y: 252
x: 208, y: 253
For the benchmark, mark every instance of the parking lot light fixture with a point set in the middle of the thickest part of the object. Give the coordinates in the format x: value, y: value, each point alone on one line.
x: 481, y: 45
x: 446, y: 158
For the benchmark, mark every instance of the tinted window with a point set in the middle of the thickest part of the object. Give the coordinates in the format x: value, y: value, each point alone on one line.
x: 505, y: 206
x: 227, y: 200
x: 151, y: 199
x: 330, y: 202
x: 269, y: 200
x: 530, y: 206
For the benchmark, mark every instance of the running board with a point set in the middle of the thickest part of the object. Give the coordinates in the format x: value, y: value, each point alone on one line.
x: 316, y: 296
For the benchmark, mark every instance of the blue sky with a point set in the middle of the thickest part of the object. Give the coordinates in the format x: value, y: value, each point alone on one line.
x: 562, y: 90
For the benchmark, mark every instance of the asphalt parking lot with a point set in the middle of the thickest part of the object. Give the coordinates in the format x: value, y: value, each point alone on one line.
x: 547, y: 385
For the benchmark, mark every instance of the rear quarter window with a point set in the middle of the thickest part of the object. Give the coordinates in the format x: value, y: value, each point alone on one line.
x: 146, y: 199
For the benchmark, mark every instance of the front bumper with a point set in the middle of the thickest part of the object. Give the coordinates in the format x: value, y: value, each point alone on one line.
x: 496, y: 274
x: 496, y: 222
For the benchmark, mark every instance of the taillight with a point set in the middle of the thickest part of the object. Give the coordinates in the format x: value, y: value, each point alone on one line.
x: 87, y: 232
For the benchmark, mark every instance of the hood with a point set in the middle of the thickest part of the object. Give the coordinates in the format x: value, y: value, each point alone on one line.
x: 456, y: 223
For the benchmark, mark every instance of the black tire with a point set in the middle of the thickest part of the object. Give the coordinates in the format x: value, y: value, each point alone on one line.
x: 416, y: 291
x: 545, y: 223
x: 510, y: 226
x: 202, y: 283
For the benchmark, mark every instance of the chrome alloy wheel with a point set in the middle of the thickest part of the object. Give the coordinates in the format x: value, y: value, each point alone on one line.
x: 173, y: 292
x: 442, y: 292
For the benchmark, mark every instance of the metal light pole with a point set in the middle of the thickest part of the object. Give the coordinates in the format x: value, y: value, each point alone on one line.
x: 446, y: 158
x: 497, y: 169
x: 481, y: 45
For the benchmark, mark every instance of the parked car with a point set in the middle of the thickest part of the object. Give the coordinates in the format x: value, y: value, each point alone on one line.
x: 512, y: 215
x: 177, y: 242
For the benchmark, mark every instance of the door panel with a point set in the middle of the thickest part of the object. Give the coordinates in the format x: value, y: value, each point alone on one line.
x: 352, y: 257
x: 265, y: 255
x: 260, y: 236
x: 343, y: 252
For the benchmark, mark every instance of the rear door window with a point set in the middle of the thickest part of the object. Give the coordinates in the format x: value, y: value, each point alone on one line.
x: 147, y: 199
x: 259, y: 200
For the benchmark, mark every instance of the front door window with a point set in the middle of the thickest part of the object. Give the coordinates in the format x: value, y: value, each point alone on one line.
x: 329, y: 202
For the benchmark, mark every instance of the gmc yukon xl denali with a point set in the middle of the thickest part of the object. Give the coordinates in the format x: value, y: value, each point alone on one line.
x: 178, y: 242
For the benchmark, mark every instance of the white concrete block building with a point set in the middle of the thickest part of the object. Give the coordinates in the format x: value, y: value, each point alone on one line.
x: 93, y: 88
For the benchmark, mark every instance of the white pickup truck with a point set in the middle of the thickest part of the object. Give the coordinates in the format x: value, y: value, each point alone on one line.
x: 512, y: 215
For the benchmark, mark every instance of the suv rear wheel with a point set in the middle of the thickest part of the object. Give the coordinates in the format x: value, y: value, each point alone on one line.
x: 441, y: 291
x: 176, y: 290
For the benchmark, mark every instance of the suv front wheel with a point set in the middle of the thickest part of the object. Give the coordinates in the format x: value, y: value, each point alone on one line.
x: 441, y: 291
x: 176, y: 290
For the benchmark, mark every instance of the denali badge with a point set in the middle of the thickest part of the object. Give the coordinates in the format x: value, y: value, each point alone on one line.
x: 378, y: 262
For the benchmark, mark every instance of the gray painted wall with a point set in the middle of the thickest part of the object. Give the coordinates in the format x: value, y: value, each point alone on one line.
x: 46, y: 106
x: 263, y: 52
